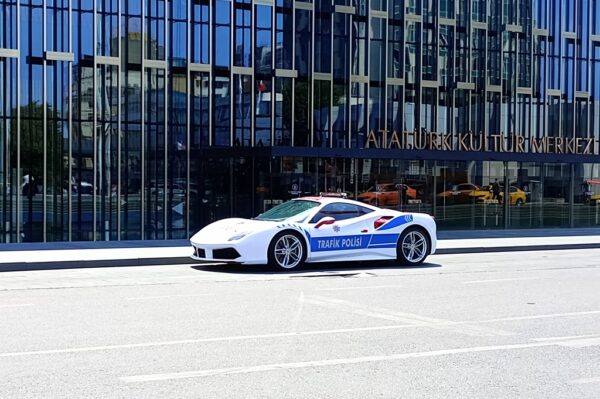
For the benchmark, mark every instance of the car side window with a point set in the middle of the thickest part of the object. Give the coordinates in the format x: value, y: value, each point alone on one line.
x: 340, y: 211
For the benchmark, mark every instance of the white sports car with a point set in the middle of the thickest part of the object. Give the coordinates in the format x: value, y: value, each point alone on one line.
x: 318, y: 229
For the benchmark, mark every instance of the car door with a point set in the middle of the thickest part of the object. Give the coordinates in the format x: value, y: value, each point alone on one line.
x: 346, y: 237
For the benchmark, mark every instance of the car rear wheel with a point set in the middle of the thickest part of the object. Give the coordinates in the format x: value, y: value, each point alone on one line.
x: 287, y: 251
x: 413, y: 247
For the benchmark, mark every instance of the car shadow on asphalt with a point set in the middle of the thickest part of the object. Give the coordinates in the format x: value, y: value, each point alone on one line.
x: 335, y: 268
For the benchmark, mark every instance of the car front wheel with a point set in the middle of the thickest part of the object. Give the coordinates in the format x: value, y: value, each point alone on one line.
x: 413, y: 247
x: 287, y: 251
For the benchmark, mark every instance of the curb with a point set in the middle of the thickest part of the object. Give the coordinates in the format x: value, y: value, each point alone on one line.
x: 521, y: 248
x: 79, y: 264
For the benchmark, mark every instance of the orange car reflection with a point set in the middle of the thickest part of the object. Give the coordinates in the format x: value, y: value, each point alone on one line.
x: 388, y: 194
x: 459, y: 194
x: 517, y: 196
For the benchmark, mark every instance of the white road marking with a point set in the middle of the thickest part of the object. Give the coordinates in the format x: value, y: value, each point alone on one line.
x: 500, y: 280
x: 541, y: 316
x: 581, y: 343
x: 409, y: 318
x: 165, y: 296
x: 327, y: 362
x: 360, y: 288
x: 277, y: 335
x: 586, y: 380
x: 16, y: 305
x: 563, y: 338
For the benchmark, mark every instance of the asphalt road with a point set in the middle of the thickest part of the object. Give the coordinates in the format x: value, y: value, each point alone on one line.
x: 495, y: 325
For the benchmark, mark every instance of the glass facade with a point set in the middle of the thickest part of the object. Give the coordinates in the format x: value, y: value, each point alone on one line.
x: 124, y: 120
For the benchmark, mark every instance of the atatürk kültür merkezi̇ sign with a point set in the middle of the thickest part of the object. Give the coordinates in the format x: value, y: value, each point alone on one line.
x: 500, y: 142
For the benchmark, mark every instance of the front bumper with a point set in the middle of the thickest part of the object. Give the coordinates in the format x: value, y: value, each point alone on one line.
x: 216, y: 253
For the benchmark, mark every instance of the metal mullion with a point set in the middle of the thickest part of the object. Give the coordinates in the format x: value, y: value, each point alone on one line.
x: 385, y: 74
x: 231, y: 80
x: 348, y: 23
x: 166, y: 117
x: 293, y: 99
x: 273, y: 64
x: 331, y: 81
x: 188, y: 113
x: 211, y: 27
x: 94, y: 125
x: 119, y: 123
x: 142, y: 124
x: 311, y: 97
x: 44, y: 125
x: 70, y: 127
x: 18, y: 62
x: 252, y: 78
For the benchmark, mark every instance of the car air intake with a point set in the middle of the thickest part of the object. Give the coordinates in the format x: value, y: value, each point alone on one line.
x: 200, y: 253
x: 381, y: 221
x: 225, y: 253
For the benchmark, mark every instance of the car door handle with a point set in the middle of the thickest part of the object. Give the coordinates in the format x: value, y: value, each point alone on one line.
x: 364, y: 231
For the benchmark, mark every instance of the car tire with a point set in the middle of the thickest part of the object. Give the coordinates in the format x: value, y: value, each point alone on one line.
x: 519, y: 202
x: 413, y: 246
x: 287, y: 251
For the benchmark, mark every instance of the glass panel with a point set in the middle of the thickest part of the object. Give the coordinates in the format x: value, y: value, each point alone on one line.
x: 57, y: 24
x: 284, y: 37
x: 321, y: 113
x: 322, y: 49
x: 155, y: 29
x: 154, y: 148
x: 178, y: 33
x: 283, y: 111
x: 200, y: 32
x: 8, y: 24
x: 358, y: 114
x: 199, y: 114
x: 107, y: 108
x: 107, y: 27
x: 131, y: 155
x: 586, y: 207
x: 303, y: 42
x: 222, y: 110
x: 242, y: 42
x: 301, y: 113
x: 177, y: 155
x: 469, y: 195
x: 263, y: 110
x: 222, y: 33
x: 242, y: 103
x: 263, y: 53
x: 9, y: 185
x: 339, y: 115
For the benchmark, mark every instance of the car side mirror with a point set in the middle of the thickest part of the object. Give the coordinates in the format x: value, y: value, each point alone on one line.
x: 324, y: 221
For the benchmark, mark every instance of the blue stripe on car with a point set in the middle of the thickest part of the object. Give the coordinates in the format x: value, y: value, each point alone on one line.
x: 399, y: 221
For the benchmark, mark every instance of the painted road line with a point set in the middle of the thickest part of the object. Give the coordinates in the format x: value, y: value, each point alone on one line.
x: 266, y: 336
x: 165, y: 296
x: 500, y: 280
x: 367, y: 287
x: 586, y: 380
x: 16, y: 305
x: 200, y: 340
x: 409, y: 318
x: 541, y: 316
x: 581, y: 343
x: 327, y: 362
x: 563, y: 338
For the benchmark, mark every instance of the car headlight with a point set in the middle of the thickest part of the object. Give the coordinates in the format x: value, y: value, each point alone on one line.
x: 238, y: 236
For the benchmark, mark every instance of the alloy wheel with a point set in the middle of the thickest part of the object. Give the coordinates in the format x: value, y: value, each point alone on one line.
x: 288, y: 251
x: 414, y: 246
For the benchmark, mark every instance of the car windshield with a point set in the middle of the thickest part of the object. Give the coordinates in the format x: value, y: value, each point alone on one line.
x: 297, y: 209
